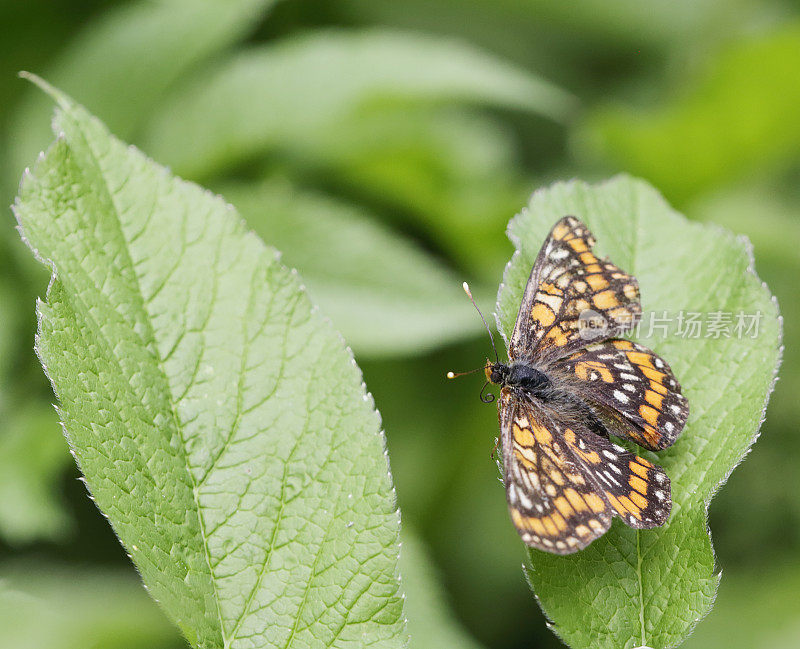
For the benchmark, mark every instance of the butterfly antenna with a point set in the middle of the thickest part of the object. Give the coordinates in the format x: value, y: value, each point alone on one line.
x: 491, y: 337
x: 488, y: 397
x: 452, y: 375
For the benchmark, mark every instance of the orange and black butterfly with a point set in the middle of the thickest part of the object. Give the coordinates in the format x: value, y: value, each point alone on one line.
x: 568, y: 388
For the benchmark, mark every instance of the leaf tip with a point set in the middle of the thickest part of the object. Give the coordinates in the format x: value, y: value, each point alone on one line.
x: 59, y: 97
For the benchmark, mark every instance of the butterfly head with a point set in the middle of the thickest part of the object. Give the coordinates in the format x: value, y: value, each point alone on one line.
x: 496, y: 373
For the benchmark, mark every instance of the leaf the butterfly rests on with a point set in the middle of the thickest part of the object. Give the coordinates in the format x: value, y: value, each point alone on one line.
x: 634, y: 588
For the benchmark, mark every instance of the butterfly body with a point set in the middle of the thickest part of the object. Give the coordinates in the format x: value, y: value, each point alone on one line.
x: 565, y: 394
x: 520, y: 375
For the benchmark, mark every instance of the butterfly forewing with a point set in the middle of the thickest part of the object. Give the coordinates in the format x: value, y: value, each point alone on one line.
x: 571, y: 291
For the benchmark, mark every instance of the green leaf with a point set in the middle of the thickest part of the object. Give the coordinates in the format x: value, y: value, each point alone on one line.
x: 769, y: 506
x: 47, y: 605
x: 737, y: 119
x: 110, y: 609
x: 221, y: 424
x: 651, y: 587
x: 311, y: 82
x: 385, y: 294
x: 124, y: 63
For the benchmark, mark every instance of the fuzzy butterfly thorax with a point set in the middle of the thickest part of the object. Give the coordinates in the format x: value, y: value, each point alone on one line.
x: 567, y: 389
x: 522, y: 376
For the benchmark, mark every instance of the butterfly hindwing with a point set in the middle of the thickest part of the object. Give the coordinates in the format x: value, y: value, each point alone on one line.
x: 553, y: 505
x: 564, y: 483
x: 568, y: 280
x: 632, y: 388
x: 637, y: 490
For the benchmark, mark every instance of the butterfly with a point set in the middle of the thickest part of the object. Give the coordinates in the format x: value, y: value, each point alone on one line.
x: 572, y: 383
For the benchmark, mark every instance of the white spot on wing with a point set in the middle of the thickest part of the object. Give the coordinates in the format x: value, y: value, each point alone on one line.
x: 609, y: 479
x: 553, y: 301
x: 621, y: 396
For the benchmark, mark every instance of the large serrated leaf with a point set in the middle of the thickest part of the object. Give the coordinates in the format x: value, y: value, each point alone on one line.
x: 221, y: 424
x: 633, y: 588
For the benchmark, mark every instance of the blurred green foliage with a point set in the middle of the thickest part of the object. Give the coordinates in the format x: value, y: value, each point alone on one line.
x: 733, y: 121
x: 700, y: 98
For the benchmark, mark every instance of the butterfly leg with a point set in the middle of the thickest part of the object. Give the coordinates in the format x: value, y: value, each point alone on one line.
x: 494, y: 448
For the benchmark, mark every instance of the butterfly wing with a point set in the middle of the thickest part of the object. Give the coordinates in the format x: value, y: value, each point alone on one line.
x: 637, y: 490
x: 632, y: 389
x: 552, y: 504
x: 564, y: 483
x: 568, y: 280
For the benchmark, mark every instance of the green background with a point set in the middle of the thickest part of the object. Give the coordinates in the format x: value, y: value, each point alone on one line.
x: 699, y: 98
